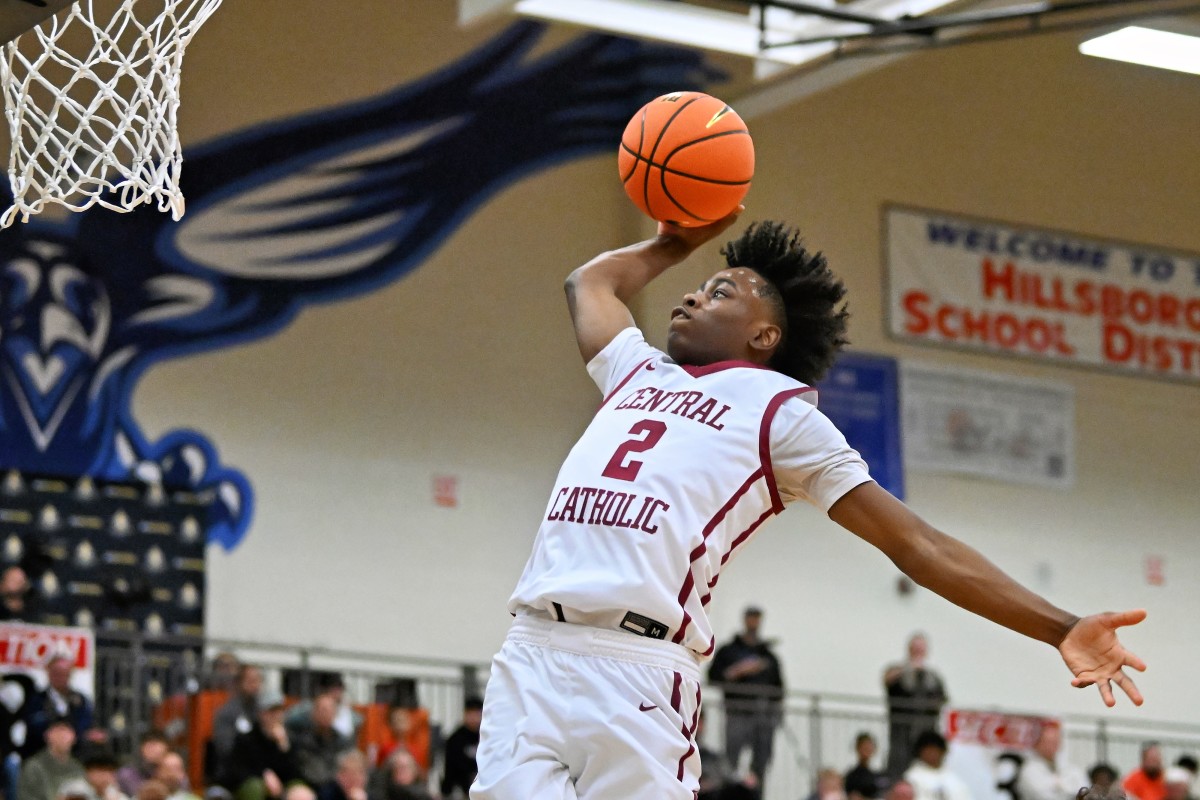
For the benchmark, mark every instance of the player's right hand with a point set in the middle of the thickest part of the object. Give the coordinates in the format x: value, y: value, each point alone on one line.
x: 1095, y: 655
x: 688, y: 239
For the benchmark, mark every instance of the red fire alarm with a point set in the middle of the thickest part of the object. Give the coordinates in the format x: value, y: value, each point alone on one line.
x: 445, y: 491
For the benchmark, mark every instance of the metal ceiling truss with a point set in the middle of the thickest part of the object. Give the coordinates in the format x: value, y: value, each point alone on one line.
x: 1030, y: 17
x: 808, y: 46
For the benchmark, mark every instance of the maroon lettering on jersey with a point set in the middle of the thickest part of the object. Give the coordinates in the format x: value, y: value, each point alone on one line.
x: 568, y: 512
x: 586, y: 505
x: 554, y: 515
x: 689, y: 404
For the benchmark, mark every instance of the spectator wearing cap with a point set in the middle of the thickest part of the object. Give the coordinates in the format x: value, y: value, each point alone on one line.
x: 262, y: 763
x: 751, y: 681
x: 100, y: 769
x: 460, y: 766
x: 42, y: 774
x: 928, y: 774
x: 1146, y: 782
x: 151, y: 749
x: 915, y: 696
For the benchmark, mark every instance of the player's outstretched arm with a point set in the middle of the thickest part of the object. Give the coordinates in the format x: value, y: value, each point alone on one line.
x: 959, y: 573
x: 598, y: 293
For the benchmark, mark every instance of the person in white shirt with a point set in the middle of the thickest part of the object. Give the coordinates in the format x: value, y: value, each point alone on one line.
x: 1047, y: 776
x: 928, y: 775
x: 595, y: 693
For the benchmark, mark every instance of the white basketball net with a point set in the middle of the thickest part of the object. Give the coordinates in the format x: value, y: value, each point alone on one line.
x: 92, y: 100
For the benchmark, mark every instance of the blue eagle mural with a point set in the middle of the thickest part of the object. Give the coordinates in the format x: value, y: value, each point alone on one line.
x: 307, y: 210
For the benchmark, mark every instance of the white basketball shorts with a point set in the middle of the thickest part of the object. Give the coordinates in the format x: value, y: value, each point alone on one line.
x: 588, y: 714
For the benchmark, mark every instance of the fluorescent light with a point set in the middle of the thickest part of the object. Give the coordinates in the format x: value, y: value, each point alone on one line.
x: 1149, y: 47
x: 695, y: 26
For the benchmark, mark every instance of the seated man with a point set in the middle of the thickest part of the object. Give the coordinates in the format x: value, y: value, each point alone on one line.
x: 44, y: 773
x: 350, y: 779
x: 262, y: 763
x: 172, y: 773
x: 151, y: 749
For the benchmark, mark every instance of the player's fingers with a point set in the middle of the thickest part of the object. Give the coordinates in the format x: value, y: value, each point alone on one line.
x: 1106, y: 693
x: 1131, y: 660
x: 1081, y: 682
x: 1118, y: 619
x: 1128, y: 687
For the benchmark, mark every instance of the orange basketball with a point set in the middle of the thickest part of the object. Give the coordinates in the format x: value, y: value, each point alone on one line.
x: 686, y: 158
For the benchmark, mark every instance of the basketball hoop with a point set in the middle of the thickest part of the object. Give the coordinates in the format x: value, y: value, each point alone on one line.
x: 92, y: 102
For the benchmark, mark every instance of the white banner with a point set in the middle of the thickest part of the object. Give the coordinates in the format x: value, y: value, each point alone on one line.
x: 1049, y: 295
x: 979, y: 741
x: 26, y: 649
x: 970, y: 422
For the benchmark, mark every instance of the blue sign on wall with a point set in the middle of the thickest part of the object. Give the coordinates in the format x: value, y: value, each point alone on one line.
x: 861, y: 395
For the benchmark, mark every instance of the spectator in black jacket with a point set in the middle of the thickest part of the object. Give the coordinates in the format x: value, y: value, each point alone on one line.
x: 59, y: 700
x: 752, y: 682
x: 262, y: 763
x: 460, y: 751
x: 315, y: 742
x: 863, y: 782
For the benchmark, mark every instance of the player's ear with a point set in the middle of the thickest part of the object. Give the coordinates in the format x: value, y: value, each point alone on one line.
x: 766, y: 338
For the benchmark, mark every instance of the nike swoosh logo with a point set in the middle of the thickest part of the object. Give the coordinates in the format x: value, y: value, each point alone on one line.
x: 644, y: 707
x: 717, y: 116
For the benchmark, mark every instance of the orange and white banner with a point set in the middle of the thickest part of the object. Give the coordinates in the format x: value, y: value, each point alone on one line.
x: 973, y: 284
x: 28, y: 648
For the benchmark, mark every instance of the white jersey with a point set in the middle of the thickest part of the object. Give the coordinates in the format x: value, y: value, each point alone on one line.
x: 679, y: 468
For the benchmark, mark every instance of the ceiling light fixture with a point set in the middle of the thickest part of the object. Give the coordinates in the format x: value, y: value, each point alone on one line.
x: 1149, y: 47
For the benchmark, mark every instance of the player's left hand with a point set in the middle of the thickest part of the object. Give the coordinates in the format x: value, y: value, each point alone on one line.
x: 1095, y: 655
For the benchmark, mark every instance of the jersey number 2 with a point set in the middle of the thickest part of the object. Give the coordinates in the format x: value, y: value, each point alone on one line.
x: 617, y: 468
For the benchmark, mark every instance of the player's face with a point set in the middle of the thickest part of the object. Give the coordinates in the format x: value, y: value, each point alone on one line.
x: 720, y: 320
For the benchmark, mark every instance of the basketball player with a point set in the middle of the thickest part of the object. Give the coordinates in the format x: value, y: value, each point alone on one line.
x: 596, y: 691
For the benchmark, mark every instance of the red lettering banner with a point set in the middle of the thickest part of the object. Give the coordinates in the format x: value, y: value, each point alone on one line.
x: 1049, y: 295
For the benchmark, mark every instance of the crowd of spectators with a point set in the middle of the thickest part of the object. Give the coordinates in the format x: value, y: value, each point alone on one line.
x: 1043, y: 775
x: 263, y: 747
x: 750, y: 677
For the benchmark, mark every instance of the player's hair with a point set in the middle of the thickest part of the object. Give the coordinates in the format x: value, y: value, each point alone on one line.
x: 804, y: 294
